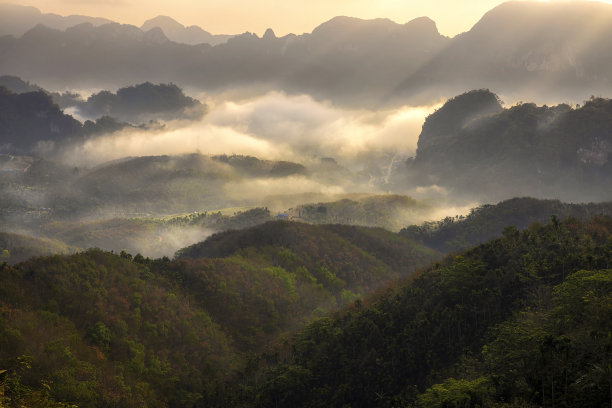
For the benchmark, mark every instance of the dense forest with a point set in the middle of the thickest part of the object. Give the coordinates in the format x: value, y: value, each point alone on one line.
x: 522, y: 320
x: 487, y: 221
x: 98, y: 329
x: 471, y: 143
x: 31, y: 117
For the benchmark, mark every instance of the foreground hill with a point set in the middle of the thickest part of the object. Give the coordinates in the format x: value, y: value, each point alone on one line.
x: 474, y: 147
x: 98, y: 329
x: 520, y: 321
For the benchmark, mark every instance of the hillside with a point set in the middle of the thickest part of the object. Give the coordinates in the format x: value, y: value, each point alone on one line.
x: 474, y: 149
x: 143, y: 102
x: 98, y: 329
x: 524, y: 50
x: 486, y: 222
x: 520, y: 321
x: 32, y: 117
x: 388, y: 211
x: 16, y: 248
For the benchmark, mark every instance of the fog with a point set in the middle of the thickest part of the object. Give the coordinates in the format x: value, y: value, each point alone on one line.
x: 274, y: 126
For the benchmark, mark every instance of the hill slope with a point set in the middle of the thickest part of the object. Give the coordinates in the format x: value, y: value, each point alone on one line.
x: 478, y: 150
x: 522, y: 319
x: 99, y: 329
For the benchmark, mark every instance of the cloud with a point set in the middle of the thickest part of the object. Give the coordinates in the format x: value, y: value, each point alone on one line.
x: 273, y: 126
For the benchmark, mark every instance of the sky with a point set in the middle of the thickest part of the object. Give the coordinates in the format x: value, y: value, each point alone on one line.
x: 283, y: 16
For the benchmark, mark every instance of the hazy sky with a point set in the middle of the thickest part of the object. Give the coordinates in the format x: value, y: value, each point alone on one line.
x: 284, y: 16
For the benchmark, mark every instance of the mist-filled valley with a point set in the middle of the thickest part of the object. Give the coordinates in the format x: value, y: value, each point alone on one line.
x: 370, y: 214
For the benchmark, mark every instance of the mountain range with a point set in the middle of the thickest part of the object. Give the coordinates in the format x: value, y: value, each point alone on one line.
x: 532, y: 49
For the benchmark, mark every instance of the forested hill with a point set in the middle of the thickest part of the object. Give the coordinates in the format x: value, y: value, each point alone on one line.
x: 472, y: 147
x: 486, y: 222
x: 32, y: 117
x: 97, y: 329
x: 521, y: 321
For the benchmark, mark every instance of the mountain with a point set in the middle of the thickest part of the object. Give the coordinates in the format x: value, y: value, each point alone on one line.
x: 519, y: 321
x: 141, y: 332
x: 16, y: 248
x: 489, y: 221
x: 525, y: 50
x: 18, y: 85
x: 472, y: 148
x: 544, y: 50
x: 16, y: 20
x: 31, y: 118
x: 142, y: 103
x: 112, y: 55
x: 177, y: 32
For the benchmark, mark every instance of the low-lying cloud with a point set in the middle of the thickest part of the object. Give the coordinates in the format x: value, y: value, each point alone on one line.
x: 274, y: 126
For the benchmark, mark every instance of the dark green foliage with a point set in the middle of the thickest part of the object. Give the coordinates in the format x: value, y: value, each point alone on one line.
x: 18, y: 85
x: 277, y: 274
x: 104, y: 124
x: 17, y: 248
x: 32, y: 117
x: 389, y: 211
x: 526, y: 149
x: 254, y: 167
x: 98, y: 329
x: 489, y: 221
x: 140, y: 101
x: 420, y: 345
x: 441, y: 126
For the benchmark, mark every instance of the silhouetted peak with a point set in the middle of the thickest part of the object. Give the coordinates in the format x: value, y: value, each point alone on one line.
x: 17, y: 8
x: 516, y: 15
x: 156, y: 34
x: 167, y: 24
x: 343, y: 26
x: 80, y: 28
x: 269, y: 34
x: 455, y: 114
x: 197, y: 30
x: 423, y: 25
x: 40, y: 31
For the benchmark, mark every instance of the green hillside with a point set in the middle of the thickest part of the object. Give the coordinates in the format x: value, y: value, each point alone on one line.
x: 97, y: 329
x: 520, y: 321
x: 488, y: 221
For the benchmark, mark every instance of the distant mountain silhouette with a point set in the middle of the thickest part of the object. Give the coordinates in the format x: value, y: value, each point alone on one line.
x: 177, y: 32
x: 16, y: 20
x: 346, y: 59
x: 523, y: 49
